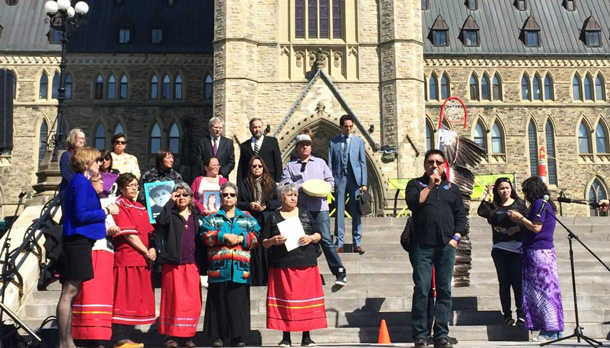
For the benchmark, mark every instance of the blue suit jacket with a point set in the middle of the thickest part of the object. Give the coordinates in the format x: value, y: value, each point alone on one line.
x: 357, y: 158
x: 81, y: 209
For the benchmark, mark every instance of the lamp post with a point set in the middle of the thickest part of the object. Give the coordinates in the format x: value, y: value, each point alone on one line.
x: 66, y: 19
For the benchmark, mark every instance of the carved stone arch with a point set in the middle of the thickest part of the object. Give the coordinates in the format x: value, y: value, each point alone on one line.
x: 107, y: 133
x: 119, y: 120
x: 588, y: 186
x: 582, y: 118
x: 154, y: 120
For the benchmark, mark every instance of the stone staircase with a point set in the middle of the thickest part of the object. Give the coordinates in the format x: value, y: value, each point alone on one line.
x: 380, y: 287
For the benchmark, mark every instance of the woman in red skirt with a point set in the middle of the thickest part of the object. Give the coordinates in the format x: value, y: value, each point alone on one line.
x: 295, y: 299
x: 92, y: 308
x: 181, y: 253
x: 134, y: 299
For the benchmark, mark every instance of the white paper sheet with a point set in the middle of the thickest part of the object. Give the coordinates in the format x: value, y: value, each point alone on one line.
x: 293, y: 230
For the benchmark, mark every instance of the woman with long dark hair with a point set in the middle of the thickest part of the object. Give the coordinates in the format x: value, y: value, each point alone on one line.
x: 258, y: 197
x: 506, y: 250
x: 541, y: 294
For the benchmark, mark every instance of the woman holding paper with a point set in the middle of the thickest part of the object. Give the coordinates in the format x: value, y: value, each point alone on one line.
x: 229, y: 235
x: 295, y: 299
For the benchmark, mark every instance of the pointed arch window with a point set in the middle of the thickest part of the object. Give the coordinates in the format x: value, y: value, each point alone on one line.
x: 43, y: 86
x: 99, y: 140
x: 208, y: 88
x: 532, y: 138
x: 584, y: 141
x: 154, y: 87
x: 576, y: 88
x: 178, y: 87
x: 123, y: 88
x: 445, y: 88
x: 497, y: 139
x: 429, y: 136
x: 601, y: 139
x: 433, y: 82
x: 99, y: 87
x: 550, y: 151
x: 166, y: 87
x: 479, y: 135
x: 485, y: 92
x: 588, y: 88
x: 111, y: 87
x: 119, y: 129
x: 155, y: 139
x: 548, y: 87
x: 599, y: 88
x: 597, y: 192
x: 55, y: 86
x: 525, y: 88
x: 69, y: 86
x: 537, y: 88
x: 497, y: 88
x: 44, y: 139
x: 474, y: 88
x: 174, y: 138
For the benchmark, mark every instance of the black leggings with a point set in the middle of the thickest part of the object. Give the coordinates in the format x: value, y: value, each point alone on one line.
x: 508, y: 267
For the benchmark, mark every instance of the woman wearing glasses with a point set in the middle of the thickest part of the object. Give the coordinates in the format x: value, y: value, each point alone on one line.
x: 180, y: 253
x: 211, y: 181
x: 121, y: 160
x: 134, y: 299
x: 229, y: 235
x: 257, y: 196
x: 506, y: 250
x: 541, y: 294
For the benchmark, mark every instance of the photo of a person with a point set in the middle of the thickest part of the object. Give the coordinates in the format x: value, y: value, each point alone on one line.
x: 157, y: 194
x: 211, y: 199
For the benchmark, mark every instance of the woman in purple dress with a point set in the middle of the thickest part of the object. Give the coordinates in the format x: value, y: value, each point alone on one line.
x: 541, y: 293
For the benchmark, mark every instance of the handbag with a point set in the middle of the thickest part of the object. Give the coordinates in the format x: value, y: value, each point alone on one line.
x: 363, y: 202
x: 406, y: 239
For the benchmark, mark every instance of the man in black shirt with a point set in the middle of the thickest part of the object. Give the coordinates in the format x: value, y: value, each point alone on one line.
x: 440, y: 217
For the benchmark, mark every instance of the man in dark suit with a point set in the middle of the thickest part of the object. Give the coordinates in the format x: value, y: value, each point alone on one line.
x: 218, y: 146
x: 264, y: 146
x: 347, y: 161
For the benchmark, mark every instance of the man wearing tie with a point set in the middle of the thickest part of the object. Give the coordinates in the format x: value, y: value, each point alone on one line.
x: 264, y: 146
x: 347, y: 161
x: 218, y: 146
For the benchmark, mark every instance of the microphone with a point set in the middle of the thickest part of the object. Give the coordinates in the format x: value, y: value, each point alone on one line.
x: 543, y: 205
x: 437, y: 180
x: 577, y: 201
x: 22, y: 194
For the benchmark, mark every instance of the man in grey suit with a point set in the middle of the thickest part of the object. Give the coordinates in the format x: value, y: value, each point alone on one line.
x: 218, y: 146
x: 347, y: 161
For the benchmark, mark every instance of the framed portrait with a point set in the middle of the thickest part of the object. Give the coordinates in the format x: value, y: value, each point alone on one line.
x: 157, y: 194
x: 211, y: 201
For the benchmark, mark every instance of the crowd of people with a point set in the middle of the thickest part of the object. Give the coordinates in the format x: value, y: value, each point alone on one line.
x: 230, y: 236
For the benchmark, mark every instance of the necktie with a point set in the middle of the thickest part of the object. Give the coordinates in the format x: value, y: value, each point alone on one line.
x: 256, y: 148
x: 215, y: 146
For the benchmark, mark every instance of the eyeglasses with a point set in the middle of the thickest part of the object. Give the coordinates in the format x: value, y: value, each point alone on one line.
x: 432, y: 162
x: 185, y: 195
x: 257, y: 166
x: 229, y: 194
x: 119, y: 142
x: 99, y: 160
x: 303, y: 164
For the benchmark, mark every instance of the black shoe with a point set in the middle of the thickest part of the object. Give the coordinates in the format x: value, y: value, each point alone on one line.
x: 421, y: 342
x: 341, y: 277
x: 285, y: 343
x: 218, y: 343
x: 442, y: 343
x: 509, y: 321
x: 237, y: 342
x: 520, y: 322
x: 307, y: 342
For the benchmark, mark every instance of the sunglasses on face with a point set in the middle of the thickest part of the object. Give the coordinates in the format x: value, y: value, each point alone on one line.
x: 438, y: 163
x: 185, y: 195
x: 257, y: 166
x: 229, y: 194
x: 119, y: 142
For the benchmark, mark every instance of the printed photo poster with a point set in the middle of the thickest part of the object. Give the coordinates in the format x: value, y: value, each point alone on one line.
x: 211, y: 201
x: 157, y: 194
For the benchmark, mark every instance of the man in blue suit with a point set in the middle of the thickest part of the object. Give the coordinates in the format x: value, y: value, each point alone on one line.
x: 347, y: 161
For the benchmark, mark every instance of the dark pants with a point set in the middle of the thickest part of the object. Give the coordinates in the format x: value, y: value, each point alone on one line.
x: 508, y: 267
x: 330, y: 250
x: 424, y: 257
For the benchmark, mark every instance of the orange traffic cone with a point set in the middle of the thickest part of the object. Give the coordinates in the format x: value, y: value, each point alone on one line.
x: 384, y: 335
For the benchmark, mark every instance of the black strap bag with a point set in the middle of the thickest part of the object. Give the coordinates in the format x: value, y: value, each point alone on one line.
x: 406, y: 239
x: 363, y: 202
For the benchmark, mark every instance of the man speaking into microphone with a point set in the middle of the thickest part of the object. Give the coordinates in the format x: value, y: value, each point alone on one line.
x: 440, y: 218
x: 541, y: 294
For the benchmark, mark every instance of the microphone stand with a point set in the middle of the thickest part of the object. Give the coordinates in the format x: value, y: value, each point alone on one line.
x: 578, y: 330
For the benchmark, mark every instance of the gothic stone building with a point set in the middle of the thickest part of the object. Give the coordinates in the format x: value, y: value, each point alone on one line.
x: 532, y: 74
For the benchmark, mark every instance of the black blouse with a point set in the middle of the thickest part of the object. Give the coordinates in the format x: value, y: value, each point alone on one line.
x: 500, y: 221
